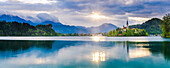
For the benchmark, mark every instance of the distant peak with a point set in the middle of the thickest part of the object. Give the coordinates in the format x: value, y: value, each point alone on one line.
x: 107, y: 24
x: 8, y: 15
x: 155, y: 19
x: 5, y: 15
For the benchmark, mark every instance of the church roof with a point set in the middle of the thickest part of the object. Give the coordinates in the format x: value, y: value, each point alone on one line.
x: 124, y: 27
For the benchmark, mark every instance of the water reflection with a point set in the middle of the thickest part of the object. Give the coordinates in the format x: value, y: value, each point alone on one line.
x: 66, y: 54
x: 155, y: 48
x: 24, y: 45
x: 98, y: 56
x: 98, y: 38
x: 136, y: 53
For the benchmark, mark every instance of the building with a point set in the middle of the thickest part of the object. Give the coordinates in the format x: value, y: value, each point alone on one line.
x: 127, y: 26
x: 50, y: 25
x: 124, y: 28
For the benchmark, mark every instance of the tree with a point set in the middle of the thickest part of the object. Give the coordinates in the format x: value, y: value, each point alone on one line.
x: 128, y: 32
x: 166, y: 26
x: 114, y: 33
x: 25, y: 29
x: 110, y: 33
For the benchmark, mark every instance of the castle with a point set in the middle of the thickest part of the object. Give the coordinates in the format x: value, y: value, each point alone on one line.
x: 50, y: 25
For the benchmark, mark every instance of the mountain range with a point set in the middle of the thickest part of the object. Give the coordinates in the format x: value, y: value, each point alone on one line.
x: 9, y: 18
x: 61, y: 28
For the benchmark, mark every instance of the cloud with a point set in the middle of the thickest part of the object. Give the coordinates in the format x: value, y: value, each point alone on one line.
x: 3, y: 0
x: 138, y: 19
x: 73, y: 12
x: 46, y: 17
x: 32, y: 1
x: 38, y: 1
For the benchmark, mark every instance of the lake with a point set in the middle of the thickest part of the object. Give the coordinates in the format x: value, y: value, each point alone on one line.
x: 84, y: 52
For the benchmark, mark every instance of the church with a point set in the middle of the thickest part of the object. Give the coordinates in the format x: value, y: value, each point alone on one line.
x: 127, y: 26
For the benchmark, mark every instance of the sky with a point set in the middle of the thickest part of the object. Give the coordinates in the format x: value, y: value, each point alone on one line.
x: 87, y: 12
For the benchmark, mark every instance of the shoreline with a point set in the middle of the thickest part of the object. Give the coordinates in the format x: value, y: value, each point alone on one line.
x: 87, y: 38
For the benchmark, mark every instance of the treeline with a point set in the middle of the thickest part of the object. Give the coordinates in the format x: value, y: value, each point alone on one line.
x: 76, y: 34
x: 152, y: 26
x: 25, y: 29
x: 128, y: 32
x: 166, y: 26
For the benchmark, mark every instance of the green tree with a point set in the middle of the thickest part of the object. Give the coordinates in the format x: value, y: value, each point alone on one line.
x: 128, y: 32
x: 110, y: 33
x: 152, y: 26
x: 166, y: 26
x: 25, y: 29
x: 114, y: 33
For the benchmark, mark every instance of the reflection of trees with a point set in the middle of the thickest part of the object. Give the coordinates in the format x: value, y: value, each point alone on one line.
x: 156, y: 47
x: 24, y: 45
x: 160, y: 47
x: 166, y: 50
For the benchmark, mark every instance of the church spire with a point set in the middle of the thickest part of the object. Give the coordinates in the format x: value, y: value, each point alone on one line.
x: 127, y: 24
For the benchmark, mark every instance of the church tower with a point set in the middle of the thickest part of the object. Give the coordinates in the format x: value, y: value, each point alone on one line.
x: 127, y: 24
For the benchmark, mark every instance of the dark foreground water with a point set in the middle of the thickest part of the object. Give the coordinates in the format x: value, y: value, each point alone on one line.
x: 84, y: 54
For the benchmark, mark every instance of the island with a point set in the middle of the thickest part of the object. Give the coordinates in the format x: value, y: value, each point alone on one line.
x: 126, y: 31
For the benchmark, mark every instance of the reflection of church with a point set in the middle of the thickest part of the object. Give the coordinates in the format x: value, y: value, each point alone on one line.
x: 136, y: 52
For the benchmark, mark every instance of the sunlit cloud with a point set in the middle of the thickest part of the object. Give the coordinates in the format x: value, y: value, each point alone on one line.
x: 38, y: 1
x: 90, y: 12
x: 30, y: 12
x: 3, y: 0
x: 127, y: 2
x: 138, y: 18
x: 97, y: 16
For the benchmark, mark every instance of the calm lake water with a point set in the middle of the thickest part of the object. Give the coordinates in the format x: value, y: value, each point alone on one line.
x: 85, y: 54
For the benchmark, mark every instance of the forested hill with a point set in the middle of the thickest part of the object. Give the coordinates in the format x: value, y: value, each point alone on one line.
x: 152, y: 26
x: 25, y: 29
x: 59, y: 27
